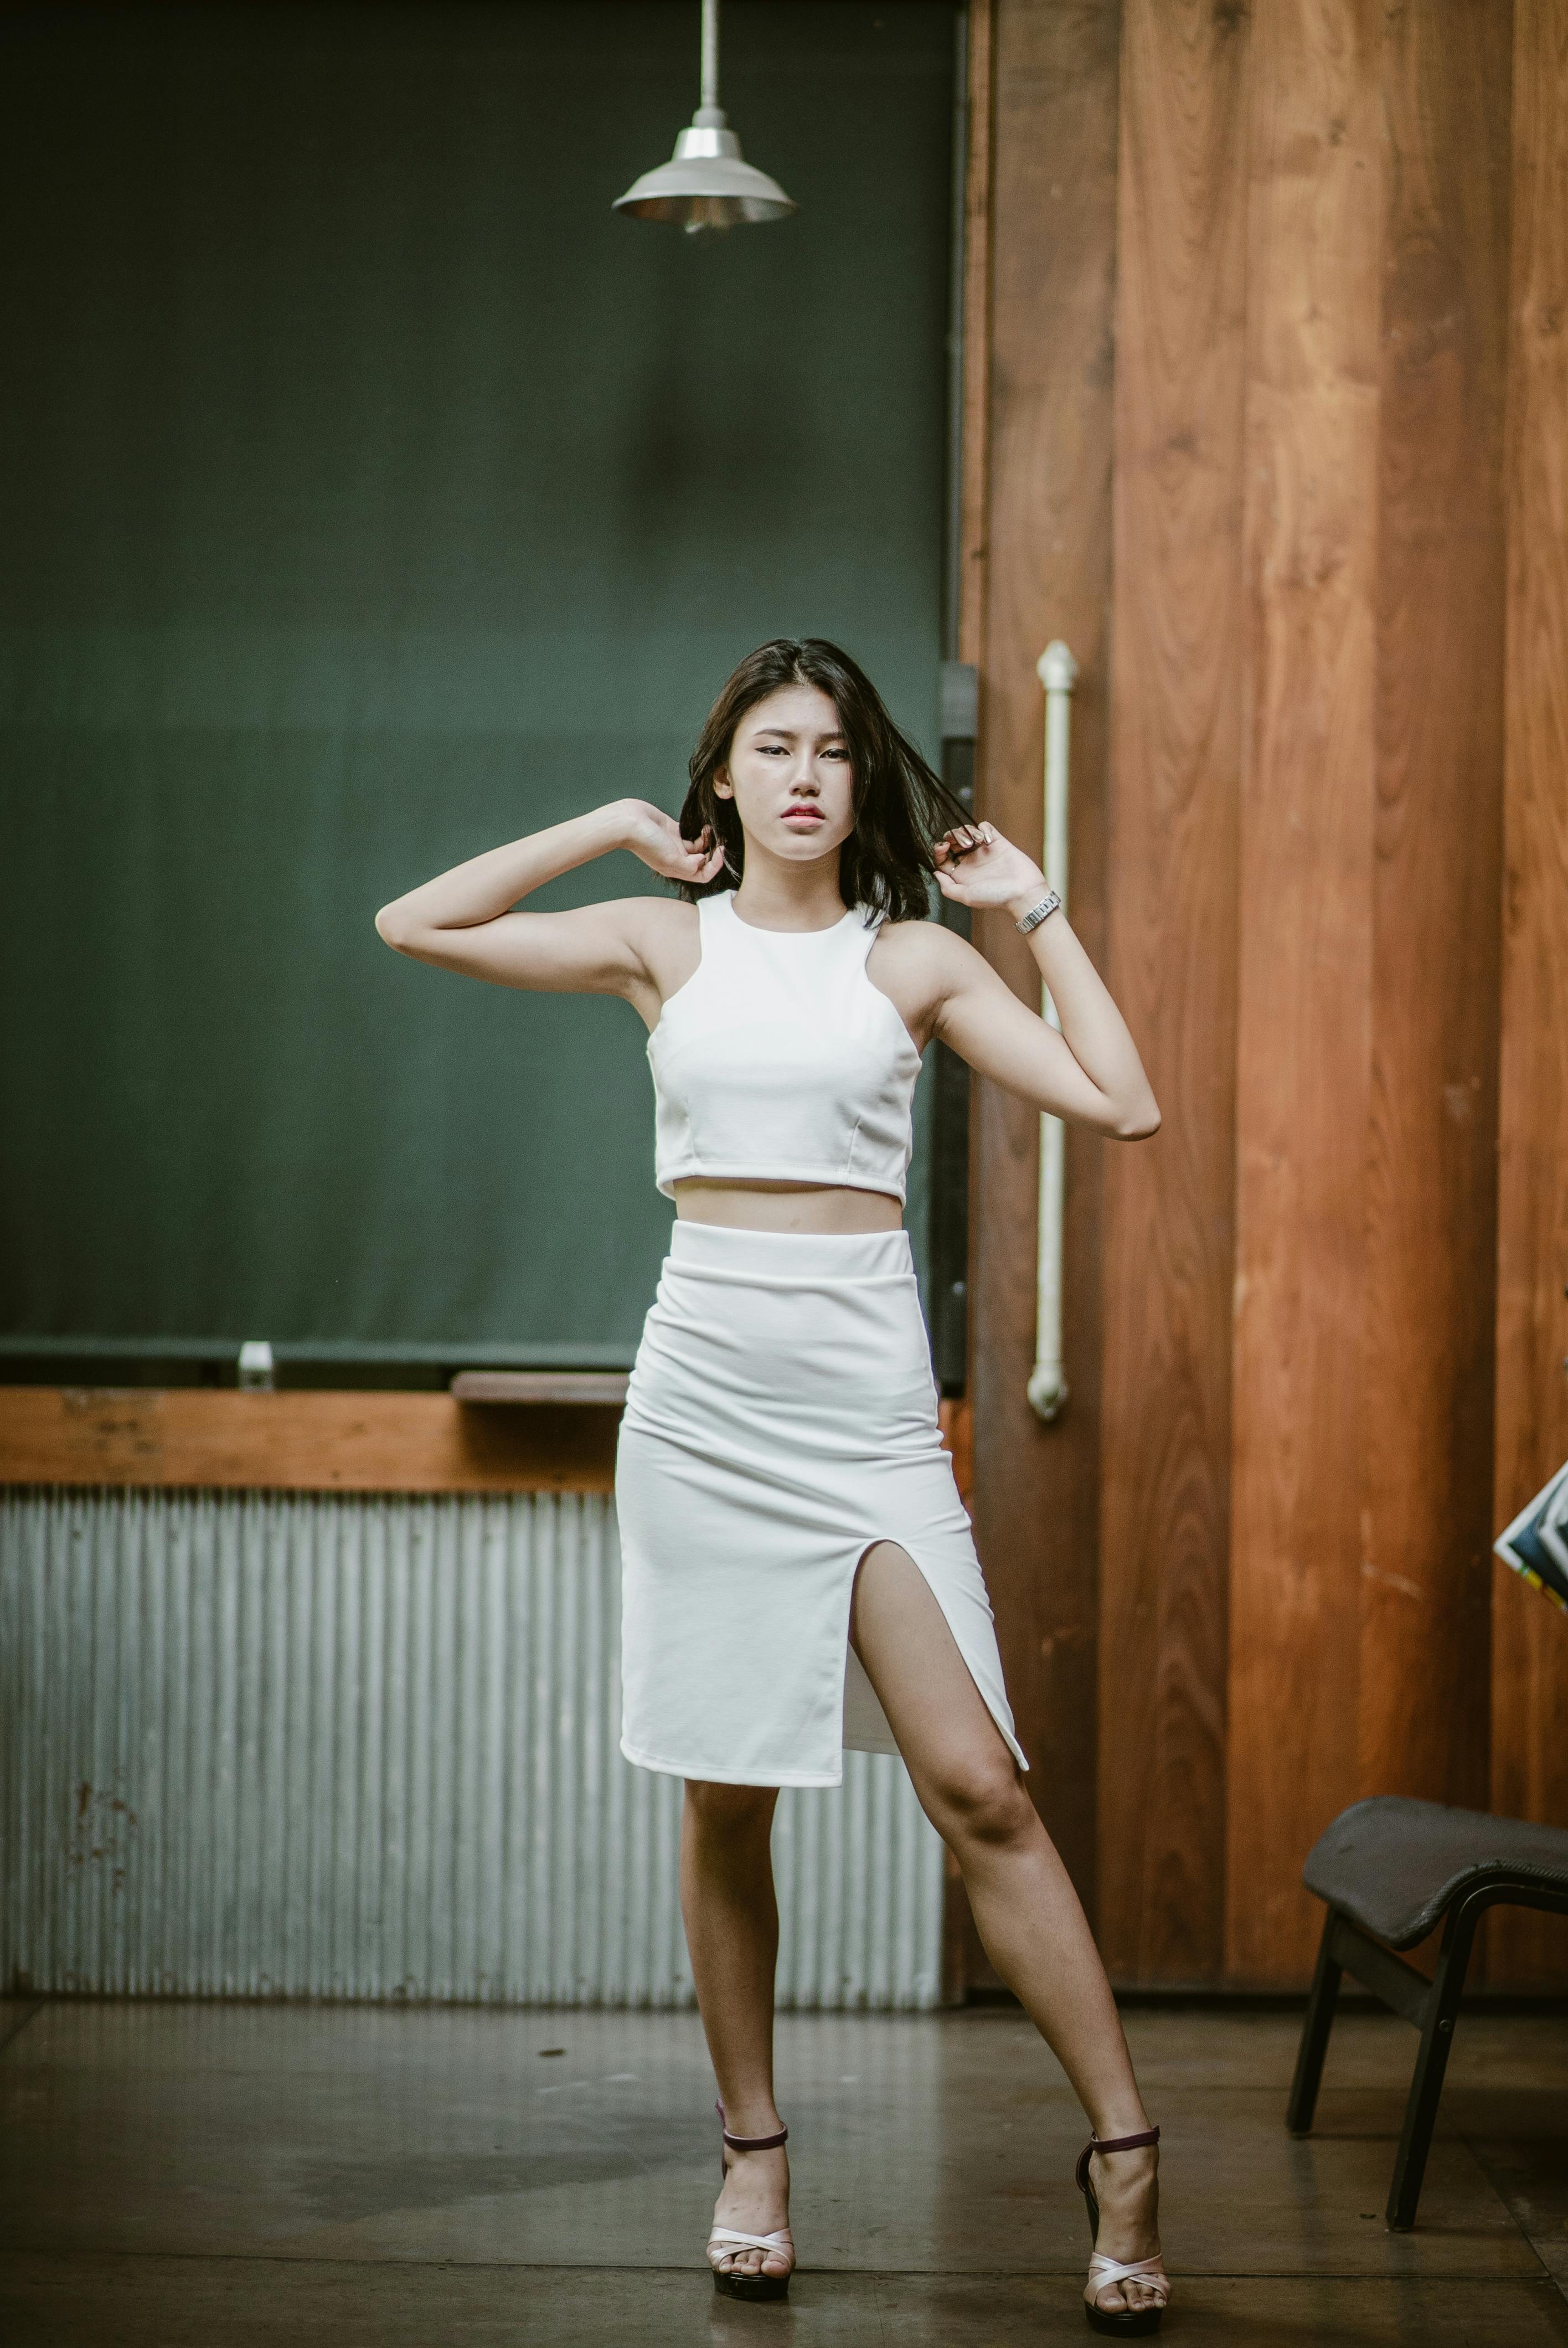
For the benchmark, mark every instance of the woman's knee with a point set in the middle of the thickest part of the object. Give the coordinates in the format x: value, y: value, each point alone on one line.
x: 983, y: 1805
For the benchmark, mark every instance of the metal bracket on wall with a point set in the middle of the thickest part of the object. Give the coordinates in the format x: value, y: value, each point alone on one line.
x: 1058, y: 672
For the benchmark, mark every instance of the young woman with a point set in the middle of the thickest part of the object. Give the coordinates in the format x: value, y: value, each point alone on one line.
x: 799, y: 1571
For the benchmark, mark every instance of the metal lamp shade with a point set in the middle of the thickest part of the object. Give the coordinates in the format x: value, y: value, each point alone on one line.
x: 706, y: 184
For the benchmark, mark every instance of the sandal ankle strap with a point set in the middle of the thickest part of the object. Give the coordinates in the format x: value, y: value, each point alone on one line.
x: 750, y: 2143
x: 1122, y: 2143
x: 1108, y: 2144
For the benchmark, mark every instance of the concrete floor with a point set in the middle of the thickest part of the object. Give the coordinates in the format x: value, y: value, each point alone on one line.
x: 215, y: 2177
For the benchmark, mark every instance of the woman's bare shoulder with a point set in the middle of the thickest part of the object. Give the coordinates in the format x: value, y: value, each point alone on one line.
x: 665, y: 932
x: 657, y: 917
x: 920, y: 948
x: 919, y: 965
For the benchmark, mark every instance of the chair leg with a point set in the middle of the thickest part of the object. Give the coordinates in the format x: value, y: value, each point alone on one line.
x: 1315, y: 2033
x: 1427, y: 2085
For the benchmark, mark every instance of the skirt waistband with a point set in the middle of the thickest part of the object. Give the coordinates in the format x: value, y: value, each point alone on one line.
x: 790, y: 1255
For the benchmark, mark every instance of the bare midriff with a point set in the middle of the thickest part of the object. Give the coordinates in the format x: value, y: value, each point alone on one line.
x: 786, y: 1207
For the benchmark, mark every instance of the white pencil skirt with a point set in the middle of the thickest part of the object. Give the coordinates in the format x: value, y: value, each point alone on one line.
x: 781, y: 1419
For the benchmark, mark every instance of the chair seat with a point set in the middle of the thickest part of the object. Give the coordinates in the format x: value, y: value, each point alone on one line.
x: 1393, y: 1866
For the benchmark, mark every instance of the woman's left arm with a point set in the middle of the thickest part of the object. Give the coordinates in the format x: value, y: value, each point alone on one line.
x: 1089, y: 1073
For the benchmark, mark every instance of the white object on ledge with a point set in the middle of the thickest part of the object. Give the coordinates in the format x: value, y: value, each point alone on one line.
x: 1058, y: 672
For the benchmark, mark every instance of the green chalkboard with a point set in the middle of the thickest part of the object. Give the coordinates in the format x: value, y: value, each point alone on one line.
x: 374, y: 494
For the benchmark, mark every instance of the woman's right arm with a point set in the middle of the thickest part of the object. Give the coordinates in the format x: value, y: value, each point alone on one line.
x: 463, y: 919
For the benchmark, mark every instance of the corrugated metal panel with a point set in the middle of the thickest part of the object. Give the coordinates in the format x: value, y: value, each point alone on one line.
x: 268, y: 1745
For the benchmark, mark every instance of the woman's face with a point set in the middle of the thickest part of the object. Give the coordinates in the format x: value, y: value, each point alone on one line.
x: 789, y: 774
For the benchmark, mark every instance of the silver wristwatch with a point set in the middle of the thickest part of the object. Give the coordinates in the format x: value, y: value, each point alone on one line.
x: 1050, y: 904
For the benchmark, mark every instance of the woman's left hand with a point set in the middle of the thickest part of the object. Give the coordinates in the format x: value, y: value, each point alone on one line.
x: 976, y: 866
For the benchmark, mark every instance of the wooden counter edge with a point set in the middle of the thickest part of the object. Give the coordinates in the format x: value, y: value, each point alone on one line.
x: 171, y: 1438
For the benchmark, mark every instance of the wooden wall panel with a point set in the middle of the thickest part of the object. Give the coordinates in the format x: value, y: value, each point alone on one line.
x: 1048, y: 563
x: 964, y: 1962
x: 1529, y: 1685
x: 977, y: 336
x: 1303, y: 852
x: 1304, y: 1051
x: 1177, y: 751
x: 1432, y: 1166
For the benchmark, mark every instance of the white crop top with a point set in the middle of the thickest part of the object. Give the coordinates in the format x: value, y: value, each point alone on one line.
x: 779, y: 1061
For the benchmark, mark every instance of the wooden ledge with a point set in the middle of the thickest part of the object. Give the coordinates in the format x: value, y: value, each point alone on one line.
x: 301, y: 1442
x: 598, y: 1388
x: 190, y: 1438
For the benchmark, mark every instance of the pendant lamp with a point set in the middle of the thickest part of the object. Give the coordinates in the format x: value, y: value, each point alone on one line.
x: 706, y: 184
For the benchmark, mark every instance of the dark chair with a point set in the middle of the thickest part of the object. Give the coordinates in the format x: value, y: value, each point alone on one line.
x: 1390, y: 1870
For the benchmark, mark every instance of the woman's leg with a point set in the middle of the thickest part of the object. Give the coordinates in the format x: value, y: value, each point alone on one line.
x: 1025, y: 1908
x: 732, y: 1932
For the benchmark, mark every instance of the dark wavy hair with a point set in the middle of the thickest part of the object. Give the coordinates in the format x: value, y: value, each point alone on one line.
x: 901, y: 807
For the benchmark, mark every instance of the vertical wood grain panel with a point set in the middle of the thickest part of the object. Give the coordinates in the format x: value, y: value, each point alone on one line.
x: 1305, y: 1281
x: 977, y: 337
x: 1426, y: 1581
x: 963, y: 1960
x: 1172, y: 885
x: 1305, y: 961
x: 1053, y: 219
x: 1530, y: 1686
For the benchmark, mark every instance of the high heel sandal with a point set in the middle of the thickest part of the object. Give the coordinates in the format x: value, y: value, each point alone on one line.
x: 759, y: 2285
x: 1126, y: 2323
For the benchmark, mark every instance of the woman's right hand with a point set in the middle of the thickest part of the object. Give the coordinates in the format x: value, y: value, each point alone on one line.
x: 654, y: 837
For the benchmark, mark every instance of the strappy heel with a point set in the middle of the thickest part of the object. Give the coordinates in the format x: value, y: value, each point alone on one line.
x: 1125, y: 2323
x: 749, y: 2286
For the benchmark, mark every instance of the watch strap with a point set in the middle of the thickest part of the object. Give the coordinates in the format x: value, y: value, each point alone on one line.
x: 1050, y: 904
